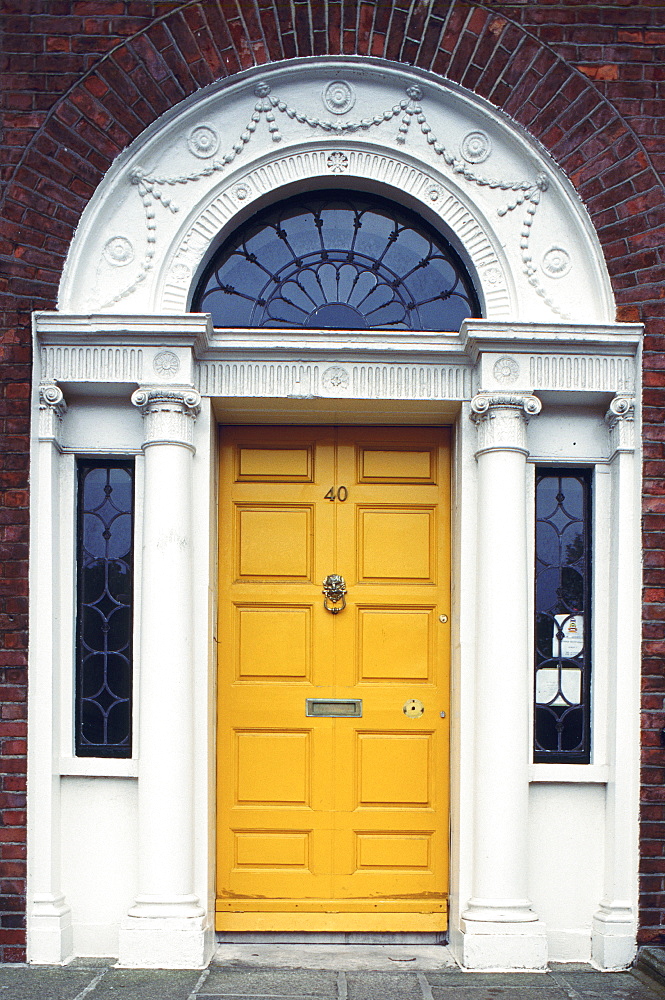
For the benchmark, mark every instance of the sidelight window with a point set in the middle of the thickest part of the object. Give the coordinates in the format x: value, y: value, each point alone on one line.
x: 104, y: 608
x: 563, y: 616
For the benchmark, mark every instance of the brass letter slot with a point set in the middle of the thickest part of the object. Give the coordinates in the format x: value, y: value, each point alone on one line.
x: 334, y: 707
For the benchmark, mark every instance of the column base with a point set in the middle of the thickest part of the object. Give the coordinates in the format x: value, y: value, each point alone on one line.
x: 51, y: 932
x: 613, y: 937
x: 503, y: 945
x: 165, y: 943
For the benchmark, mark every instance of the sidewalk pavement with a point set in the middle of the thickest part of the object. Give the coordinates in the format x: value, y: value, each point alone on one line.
x: 236, y: 976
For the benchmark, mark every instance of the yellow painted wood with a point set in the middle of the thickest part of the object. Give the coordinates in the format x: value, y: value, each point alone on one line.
x: 293, y: 920
x: 341, y: 820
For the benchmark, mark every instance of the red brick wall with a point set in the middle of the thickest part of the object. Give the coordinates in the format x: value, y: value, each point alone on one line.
x: 82, y: 79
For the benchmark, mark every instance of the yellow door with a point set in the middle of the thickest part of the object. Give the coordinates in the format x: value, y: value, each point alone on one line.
x: 333, y: 728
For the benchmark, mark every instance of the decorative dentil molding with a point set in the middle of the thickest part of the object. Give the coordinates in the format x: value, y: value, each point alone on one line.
x: 52, y: 408
x: 501, y: 420
x: 620, y: 420
x: 524, y: 194
x: 169, y: 414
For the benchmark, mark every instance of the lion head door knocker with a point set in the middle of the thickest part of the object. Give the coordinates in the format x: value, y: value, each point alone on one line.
x: 334, y: 589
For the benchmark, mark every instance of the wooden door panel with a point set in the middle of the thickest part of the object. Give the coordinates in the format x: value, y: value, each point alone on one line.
x: 255, y: 464
x: 282, y: 629
x: 273, y: 768
x: 395, y: 644
x: 290, y: 529
x: 396, y: 544
x: 395, y: 465
x: 393, y: 770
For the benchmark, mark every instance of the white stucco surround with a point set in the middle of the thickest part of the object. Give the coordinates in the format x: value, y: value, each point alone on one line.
x: 544, y: 857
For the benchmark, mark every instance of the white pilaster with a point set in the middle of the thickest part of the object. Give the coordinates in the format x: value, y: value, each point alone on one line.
x: 166, y: 927
x: 51, y: 939
x: 613, y: 942
x: 500, y: 929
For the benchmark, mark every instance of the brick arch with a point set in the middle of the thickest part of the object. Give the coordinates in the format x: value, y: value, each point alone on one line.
x: 172, y: 55
x: 82, y: 80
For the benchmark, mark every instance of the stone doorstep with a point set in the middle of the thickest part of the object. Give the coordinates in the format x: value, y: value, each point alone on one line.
x: 650, y: 967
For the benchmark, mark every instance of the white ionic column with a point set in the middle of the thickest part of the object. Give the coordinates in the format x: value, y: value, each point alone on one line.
x: 500, y: 929
x: 49, y: 916
x: 166, y: 926
x: 614, y: 927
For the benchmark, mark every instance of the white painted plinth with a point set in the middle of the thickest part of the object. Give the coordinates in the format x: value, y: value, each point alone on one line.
x: 613, y: 938
x: 51, y: 932
x: 500, y: 947
x: 165, y: 943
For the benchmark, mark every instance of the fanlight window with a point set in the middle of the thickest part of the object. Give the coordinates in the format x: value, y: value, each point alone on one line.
x: 336, y: 260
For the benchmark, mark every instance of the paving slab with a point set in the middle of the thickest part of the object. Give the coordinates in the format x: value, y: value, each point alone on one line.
x: 462, y: 991
x: 372, y: 985
x: 39, y: 982
x: 521, y: 980
x: 144, y: 984
x: 606, y: 985
x: 269, y: 982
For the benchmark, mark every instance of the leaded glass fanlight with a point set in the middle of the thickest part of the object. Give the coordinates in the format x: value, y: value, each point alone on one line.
x: 337, y: 260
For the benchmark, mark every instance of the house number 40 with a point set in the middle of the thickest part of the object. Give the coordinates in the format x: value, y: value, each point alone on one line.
x: 341, y: 494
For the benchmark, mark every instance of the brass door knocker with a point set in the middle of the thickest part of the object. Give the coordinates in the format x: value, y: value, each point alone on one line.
x: 334, y: 589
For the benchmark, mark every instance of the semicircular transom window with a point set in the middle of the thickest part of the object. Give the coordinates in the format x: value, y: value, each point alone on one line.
x: 337, y: 260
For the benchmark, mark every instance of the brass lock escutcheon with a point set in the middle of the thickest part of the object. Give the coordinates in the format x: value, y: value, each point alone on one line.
x: 334, y: 590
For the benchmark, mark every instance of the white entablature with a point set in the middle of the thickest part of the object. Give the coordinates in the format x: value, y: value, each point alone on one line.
x: 352, y: 123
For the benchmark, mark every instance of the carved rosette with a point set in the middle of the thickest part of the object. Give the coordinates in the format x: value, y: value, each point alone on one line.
x: 501, y: 420
x: 620, y: 419
x: 52, y: 408
x: 168, y: 414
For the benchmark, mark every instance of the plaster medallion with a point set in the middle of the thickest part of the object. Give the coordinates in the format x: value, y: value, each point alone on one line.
x: 338, y: 97
x: 556, y: 262
x: 180, y: 271
x: 434, y: 193
x: 506, y: 369
x: 242, y: 191
x: 335, y: 378
x: 203, y: 141
x: 492, y: 275
x: 166, y: 364
x: 262, y: 89
x: 118, y: 251
x: 476, y: 147
x: 338, y: 163
x: 415, y: 93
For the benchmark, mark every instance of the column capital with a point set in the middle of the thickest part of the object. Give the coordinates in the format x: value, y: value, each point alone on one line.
x: 501, y: 419
x: 620, y: 419
x: 169, y: 413
x: 52, y: 408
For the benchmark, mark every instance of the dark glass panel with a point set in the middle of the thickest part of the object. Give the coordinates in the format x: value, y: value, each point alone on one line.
x: 337, y: 261
x: 104, y: 613
x: 563, y: 619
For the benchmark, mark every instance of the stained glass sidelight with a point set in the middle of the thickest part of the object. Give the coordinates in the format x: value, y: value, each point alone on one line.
x: 337, y: 260
x: 563, y: 616
x: 104, y: 614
